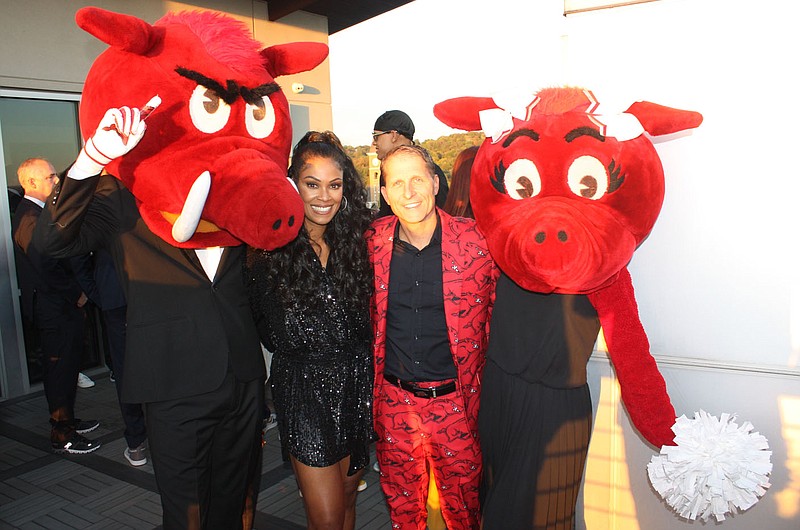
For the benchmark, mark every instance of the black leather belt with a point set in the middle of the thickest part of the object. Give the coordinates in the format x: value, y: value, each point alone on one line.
x: 422, y: 391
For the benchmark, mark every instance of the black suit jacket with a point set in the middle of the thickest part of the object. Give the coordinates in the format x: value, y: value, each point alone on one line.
x: 98, y: 278
x: 47, y: 284
x: 184, y: 331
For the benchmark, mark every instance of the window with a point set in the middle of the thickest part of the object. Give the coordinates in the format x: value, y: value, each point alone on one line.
x: 32, y: 124
x: 37, y: 127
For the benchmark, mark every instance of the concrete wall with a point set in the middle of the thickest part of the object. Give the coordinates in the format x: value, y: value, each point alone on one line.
x: 43, y: 48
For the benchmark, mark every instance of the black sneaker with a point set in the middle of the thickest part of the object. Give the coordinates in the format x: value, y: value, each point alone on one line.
x: 84, y: 426
x: 76, y: 445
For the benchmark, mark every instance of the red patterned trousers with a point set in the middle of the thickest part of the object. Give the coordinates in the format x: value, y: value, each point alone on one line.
x: 415, y: 434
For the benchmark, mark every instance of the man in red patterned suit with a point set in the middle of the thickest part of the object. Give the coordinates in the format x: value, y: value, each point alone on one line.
x: 434, y: 288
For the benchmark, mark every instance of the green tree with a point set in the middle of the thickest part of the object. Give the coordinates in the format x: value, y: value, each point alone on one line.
x: 443, y: 150
x: 360, y: 160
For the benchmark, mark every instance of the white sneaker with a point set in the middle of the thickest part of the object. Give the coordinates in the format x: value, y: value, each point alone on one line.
x: 376, y: 467
x: 84, y: 381
x: 136, y: 456
x: 362, y: 485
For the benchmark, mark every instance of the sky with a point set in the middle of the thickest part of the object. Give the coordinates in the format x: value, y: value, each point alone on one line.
x: 431, y: 50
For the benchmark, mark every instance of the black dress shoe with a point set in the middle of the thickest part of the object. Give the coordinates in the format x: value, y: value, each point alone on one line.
x: 84, y: 426
x: 76, y: 445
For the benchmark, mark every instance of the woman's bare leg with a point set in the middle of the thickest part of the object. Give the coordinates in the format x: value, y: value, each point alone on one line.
x: 329, y: 494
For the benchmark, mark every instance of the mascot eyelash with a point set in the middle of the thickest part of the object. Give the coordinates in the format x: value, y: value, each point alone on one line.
x: 615, y: 180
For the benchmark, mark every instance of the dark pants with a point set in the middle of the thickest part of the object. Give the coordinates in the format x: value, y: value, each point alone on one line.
x: 132, y: 413
x: 535, y: 441
x: 62, y: 347
x: 206, y: 453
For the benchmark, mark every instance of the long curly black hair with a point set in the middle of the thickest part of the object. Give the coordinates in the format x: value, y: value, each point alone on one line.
x: 288, y: 269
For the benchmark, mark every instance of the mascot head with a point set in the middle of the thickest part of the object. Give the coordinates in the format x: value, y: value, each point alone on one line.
x: 222, y: 113
x: 563, y: 192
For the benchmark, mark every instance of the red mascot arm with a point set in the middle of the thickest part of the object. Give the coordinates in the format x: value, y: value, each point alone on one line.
x: 643, y: 389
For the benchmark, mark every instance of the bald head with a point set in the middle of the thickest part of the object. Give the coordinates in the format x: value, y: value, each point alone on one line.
x: 37, y: 177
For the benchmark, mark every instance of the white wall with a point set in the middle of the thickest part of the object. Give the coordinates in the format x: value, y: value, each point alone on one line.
x: 427, y: 51
x: 717, y: 281
x: 726, y: 242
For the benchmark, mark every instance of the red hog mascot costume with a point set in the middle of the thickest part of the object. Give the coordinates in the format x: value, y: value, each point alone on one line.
x: 564, y: 193
x: 175, y: 206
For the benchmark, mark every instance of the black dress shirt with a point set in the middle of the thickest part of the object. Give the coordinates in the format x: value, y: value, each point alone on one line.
x: 417, y: 343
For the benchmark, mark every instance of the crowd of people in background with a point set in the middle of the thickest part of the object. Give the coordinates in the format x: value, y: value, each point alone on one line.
x: 360, y: 314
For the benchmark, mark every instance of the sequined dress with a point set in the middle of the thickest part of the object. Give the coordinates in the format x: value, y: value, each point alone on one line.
x: 321, y: 370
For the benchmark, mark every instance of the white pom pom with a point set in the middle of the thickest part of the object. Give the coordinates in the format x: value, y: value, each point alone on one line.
x: 716, y: 467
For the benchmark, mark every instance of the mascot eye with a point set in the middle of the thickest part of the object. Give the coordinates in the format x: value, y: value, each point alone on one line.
x: 259, y: 118
x: 522, y: 179
x: 208, y: 111
x: 587, y: 178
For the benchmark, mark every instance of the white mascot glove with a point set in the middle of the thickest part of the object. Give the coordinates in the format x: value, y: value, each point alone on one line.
x: 118, y: 132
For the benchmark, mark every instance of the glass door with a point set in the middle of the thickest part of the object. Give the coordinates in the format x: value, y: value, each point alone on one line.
x: 35, y: 125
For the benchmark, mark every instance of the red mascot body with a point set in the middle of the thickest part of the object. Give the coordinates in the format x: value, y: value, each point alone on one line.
x: 174, y: 205
x: 564, y: 195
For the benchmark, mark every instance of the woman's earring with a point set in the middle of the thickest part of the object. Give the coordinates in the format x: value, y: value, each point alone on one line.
x: 344, y: 203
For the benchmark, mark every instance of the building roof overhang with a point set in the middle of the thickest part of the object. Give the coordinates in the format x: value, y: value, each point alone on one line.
x: 341, y: 13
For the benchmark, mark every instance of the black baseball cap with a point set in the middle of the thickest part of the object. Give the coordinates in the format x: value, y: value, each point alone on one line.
x: 395, y: 120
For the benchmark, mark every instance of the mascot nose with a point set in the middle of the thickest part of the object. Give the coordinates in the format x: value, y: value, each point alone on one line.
x: 540, y: 237
x: 279, y: 222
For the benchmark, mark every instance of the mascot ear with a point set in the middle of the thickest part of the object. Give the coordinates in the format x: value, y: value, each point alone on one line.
x: 658, y: 119
x: 462, y: 113
x: 120, y: 31
x: 294, y: 57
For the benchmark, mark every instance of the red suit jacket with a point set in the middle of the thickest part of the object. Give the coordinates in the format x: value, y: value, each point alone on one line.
x: 468, y: 277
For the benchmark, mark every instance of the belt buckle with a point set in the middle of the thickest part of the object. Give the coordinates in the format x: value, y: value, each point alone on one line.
x: 424, y: 392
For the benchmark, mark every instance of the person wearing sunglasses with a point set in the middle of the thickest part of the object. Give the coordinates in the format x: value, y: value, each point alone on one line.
x: 392, y: 129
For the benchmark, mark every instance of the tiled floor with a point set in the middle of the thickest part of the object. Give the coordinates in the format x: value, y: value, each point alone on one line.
x: 40, y: 490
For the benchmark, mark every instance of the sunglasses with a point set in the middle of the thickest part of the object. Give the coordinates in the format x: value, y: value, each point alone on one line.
x: 375, y: 135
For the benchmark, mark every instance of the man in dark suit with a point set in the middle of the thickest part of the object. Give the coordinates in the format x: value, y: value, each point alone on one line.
x: 52, y: 300
x: 193, y: 355
x: 98, y: 278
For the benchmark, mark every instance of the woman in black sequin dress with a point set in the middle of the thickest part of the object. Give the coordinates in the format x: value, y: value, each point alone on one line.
x: 311, y: 303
